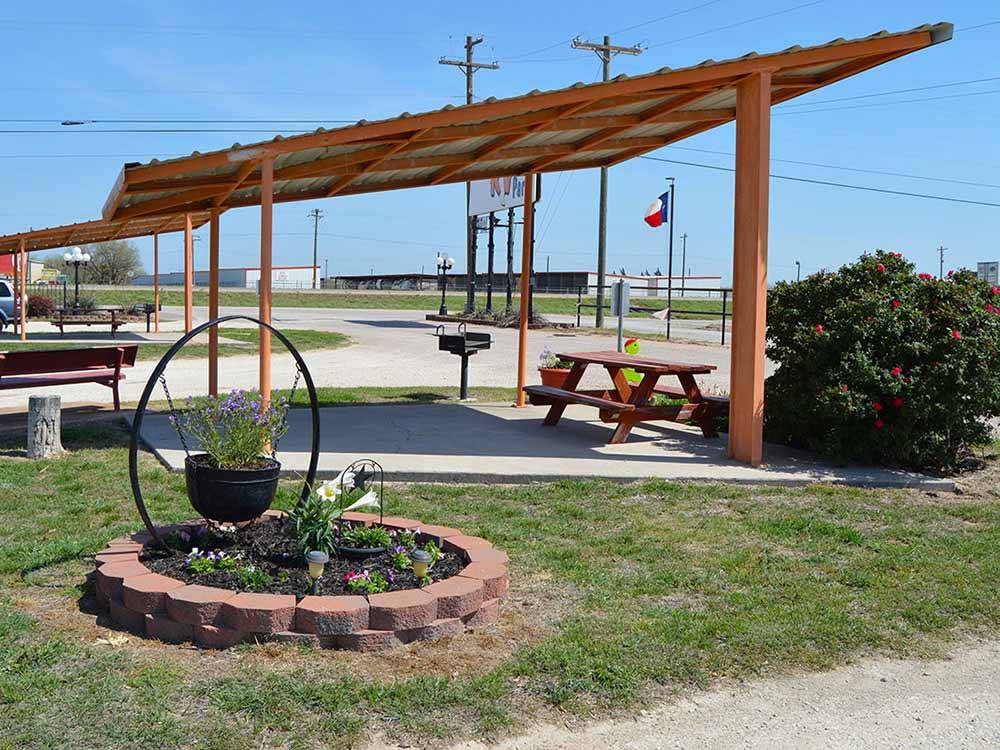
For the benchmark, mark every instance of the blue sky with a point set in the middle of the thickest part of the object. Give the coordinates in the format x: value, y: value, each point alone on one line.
x: 330, y: 61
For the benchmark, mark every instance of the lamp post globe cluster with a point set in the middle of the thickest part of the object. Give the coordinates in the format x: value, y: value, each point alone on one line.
x: 444, y: 264
x: 76, y: 258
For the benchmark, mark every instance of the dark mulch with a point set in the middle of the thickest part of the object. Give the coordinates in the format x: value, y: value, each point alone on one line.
x: 269, y: 547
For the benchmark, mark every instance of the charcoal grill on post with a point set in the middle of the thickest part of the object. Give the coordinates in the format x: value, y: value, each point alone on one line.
x: 464, y: 344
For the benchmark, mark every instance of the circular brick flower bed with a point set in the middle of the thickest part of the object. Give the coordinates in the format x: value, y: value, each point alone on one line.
x: 168, y: 609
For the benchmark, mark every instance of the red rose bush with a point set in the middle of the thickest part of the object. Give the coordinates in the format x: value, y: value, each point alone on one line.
x: 879, y: 364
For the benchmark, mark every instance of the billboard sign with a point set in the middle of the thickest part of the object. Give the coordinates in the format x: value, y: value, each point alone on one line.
x: 989, y: 272
x: 495, y: 194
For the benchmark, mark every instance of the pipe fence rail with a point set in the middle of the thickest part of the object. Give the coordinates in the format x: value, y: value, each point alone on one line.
x: 671, y: 310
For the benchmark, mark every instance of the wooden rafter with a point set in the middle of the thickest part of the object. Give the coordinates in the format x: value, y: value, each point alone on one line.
x: 652, y: 114
x: 341, y: 184
x: 502, y: 142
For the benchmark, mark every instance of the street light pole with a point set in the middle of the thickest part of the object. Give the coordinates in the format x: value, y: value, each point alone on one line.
x: 444, y: 264
x: 76, y: 258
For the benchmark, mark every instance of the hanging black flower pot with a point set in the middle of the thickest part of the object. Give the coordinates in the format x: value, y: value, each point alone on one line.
x: 230, y: 495
x: 226, y: 495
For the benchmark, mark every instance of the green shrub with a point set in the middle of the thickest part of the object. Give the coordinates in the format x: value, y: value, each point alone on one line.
x: 879, y: 364
x: 366, y: 537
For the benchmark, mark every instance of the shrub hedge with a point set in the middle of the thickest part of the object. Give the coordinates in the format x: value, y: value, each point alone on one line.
x: 880, y: 364
x: 41, y: 307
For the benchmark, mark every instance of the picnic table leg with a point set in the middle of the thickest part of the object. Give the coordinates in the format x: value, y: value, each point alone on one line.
x: 704, y: 413
x: 572, y: 381
x: 639, y: 396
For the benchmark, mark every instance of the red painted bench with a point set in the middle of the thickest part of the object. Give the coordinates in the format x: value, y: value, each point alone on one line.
x: 49, y: 367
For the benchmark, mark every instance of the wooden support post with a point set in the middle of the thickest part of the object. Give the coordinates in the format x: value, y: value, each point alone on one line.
x: 156, y: 282
x: 266, y: 203
x: 23, y: 290
x: 522, y: 334
x: 213, y: 303
x: 746, y: 380
x: 188, y: 275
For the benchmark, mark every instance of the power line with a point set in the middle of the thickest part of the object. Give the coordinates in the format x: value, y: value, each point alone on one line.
x: 848, y: 169
x: 692, y: 36
x: 978, y: 26
x: 738, y: 23
x: 889, y: 104
x: 832, y: 184
x: 666, y: 17
x: 888, y: 93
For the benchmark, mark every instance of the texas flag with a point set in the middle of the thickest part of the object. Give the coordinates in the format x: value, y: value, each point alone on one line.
x: 657, y: 213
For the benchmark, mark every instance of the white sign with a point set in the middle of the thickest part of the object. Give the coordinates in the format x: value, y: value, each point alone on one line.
x: 495, y: 194
x: 989, y: 272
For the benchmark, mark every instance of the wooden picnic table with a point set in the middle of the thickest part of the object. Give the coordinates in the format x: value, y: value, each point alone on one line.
x: 628, y: 404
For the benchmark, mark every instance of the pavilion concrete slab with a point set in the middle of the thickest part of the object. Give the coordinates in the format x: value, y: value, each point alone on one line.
x: 500, y: 444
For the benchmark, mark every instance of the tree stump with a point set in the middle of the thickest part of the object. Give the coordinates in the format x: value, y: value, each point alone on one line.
x: 44, y: 431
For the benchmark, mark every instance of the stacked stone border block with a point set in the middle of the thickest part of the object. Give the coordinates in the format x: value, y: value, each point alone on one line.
x: 156, y: 606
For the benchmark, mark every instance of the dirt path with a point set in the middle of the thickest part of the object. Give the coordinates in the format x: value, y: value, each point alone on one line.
x: 875, y: 705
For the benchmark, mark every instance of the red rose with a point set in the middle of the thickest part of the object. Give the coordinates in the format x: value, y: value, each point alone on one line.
x: 877, y: 406
x: 955, y: 334
x: 896, y: 371
x: 844, y: 388
x: 950, y: 274
x: 925, y: 276
x: 895, y: 304
x: 819, y: 328
x: 880, y: 268
x: 897, y: 402
x: 995, y: 290
x: 879, y: 424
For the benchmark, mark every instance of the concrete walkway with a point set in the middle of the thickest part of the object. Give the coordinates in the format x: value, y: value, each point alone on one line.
x: 497, y: 443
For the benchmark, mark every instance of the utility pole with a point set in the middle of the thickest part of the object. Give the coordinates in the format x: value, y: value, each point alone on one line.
x: 941, y: 250
x: 684, y: 254
x: 798, y: 271
x: 470, y: 67
x: 604, y: 51
x: 315, y: 215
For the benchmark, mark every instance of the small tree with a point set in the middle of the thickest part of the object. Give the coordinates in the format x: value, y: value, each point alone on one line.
x: 116, y: 262
x: 880, y: 364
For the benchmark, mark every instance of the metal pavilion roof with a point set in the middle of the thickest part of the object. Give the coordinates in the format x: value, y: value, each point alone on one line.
x: 581, y: 126
x: 87, y: 232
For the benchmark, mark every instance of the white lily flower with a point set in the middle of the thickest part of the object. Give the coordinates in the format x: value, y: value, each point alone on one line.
x: 327, y: 491
x: 344, y: 481
x: 369, y: 499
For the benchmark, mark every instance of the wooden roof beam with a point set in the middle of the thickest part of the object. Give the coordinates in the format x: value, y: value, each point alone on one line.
x: 345, y: 181
x: 647, y: 116
x: 501, y: 143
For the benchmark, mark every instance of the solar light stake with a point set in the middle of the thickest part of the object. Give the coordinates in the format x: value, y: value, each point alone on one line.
x: 421, y: 560
x: 316, y: 560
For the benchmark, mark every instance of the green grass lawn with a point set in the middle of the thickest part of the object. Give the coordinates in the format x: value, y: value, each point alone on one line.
x: 621, y: 594
x: 544, y: 304
x: 244, y: 343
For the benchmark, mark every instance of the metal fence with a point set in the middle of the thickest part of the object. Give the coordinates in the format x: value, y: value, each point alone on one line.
x: 672, y: 310
x: 54, y: 290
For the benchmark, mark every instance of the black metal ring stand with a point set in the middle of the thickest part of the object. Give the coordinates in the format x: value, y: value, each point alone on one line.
x: 140, y: 412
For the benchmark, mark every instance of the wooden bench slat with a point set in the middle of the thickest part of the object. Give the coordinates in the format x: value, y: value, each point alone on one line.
x: 677, y: 392
x: 571, y: 397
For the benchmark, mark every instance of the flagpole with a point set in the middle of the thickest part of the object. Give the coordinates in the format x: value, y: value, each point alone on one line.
x: 670, y: 260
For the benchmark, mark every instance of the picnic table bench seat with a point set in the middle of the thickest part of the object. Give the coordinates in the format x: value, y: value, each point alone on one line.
x: 51, y: 367
x: 547, y: 394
